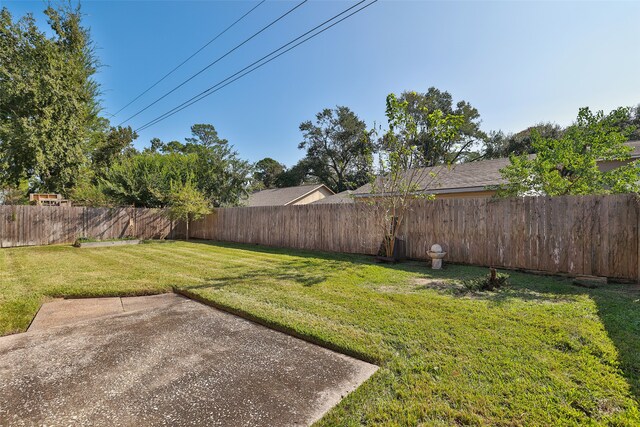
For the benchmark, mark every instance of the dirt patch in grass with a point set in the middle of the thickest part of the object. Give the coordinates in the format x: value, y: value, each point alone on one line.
x: 438, y: 284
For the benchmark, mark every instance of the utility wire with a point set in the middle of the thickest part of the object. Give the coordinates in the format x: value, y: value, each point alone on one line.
x: 189, y: 58
x: 215, y: 62
x: 223, y: 83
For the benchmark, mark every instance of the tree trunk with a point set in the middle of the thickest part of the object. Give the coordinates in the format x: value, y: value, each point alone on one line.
x: 188, y: 229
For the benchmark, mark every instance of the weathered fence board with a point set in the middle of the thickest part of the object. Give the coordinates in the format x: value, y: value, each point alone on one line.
x: 587, y: 235
x: 578, y: 235
x: 45, y: 225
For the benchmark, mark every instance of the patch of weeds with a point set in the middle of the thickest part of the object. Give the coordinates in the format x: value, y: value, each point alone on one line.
x: 491, y: 282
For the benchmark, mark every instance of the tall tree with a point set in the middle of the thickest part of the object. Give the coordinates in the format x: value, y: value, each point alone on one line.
x: 209, y: 162
x: 220, y: 174
x: 297, y: 174
x: 49, y: 101
x: 339, y: 153
x: 437, y: 150
x: 112, y: 144
x: 629, y: 125
x: 205, y: 135
x: 499, y: 145
x: 145, y: 180
x: 569, y: 164
x: 266, y: 172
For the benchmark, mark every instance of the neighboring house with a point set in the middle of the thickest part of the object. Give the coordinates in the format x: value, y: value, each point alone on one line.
x: 606, y: 166
x: 300, y: 195
x: 46, y: 199
x: 342, y: 197
x: 473, y: 179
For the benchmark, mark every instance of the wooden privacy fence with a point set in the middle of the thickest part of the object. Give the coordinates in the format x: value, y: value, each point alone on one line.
x: 45, y: 225
x: 587, y: 235
x: 577, y: 235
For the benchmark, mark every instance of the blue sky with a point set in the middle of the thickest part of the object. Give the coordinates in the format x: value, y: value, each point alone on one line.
x: 519, y: 63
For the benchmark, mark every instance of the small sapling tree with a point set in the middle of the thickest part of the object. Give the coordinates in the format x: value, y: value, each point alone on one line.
x: 401, y: 179
x: 187, y: 204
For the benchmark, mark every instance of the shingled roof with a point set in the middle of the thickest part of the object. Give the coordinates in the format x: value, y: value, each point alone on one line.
x: 342, y: 197
x: 467, y: 177
x: 282, y: 196
x: 462, y: 177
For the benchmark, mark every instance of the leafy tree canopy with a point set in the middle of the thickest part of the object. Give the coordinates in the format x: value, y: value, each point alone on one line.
x: 298, y: 174
x: 49, y: 105
x: 569, y: 164
x: 187, y: 203
x: 145, y: 180
x: 205, y: 160
x: 51, y: 134
x: 339, y: 152
x: 111, y: 144
x: 266, y: 173
x: 498, y: 145
x: 437, y: 150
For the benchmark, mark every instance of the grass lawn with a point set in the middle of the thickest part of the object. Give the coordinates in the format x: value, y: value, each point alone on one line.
x: 542, y: 352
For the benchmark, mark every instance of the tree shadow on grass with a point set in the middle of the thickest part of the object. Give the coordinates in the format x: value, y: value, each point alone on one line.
x: 618, y: 305
x: 618, y: 308
x: 301, y: 271
x: 298, y: 253
x: 619, y: 311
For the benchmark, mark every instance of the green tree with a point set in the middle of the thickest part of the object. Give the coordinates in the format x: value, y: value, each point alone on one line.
x: 145, y: 180
x: 187, y: 204
x: 110, y: 145
x: 205, y: 135
x: 401, y: 176
x: 499, y: 145
x: 155, y: 146
x: 298, y: 174
x: 14, y: 194
x: 569, y: 164
x: 219, y: 174
x: 266, y: 172
x: 48, y: 105
x: 436, y: 150
x: 90, y: 192
x: 629, y: 124
x: 339, y: 154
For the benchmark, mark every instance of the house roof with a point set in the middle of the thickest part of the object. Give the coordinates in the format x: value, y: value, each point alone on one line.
x: 342, y: 197
x: 466, y: 177
x: 636, y: 148
x: 460, y: 177
x: 283, y: 196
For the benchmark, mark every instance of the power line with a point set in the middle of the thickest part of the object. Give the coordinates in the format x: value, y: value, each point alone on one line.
x: 220, y: 84
x: 189, y: 58
x: 223, y: 83
x: 215, y: 62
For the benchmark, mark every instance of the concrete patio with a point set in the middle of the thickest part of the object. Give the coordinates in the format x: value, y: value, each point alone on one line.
x: 165, y: 360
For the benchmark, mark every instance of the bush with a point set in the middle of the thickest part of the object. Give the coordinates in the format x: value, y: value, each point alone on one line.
x: 490, y: 282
